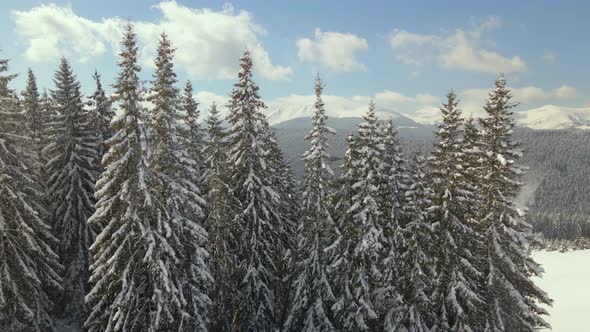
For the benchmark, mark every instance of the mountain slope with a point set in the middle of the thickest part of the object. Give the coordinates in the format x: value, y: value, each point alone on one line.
x: 291, y: 133
x: 555, y: 117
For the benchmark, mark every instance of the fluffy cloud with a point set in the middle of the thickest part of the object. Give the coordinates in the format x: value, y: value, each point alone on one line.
x: 527, y: 94
x: 208, y: 42
x: 337, y: 51
x: 458, y: 50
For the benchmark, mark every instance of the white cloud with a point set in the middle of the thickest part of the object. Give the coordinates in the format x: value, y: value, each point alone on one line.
x: 401, y: 38
x: 209, y: 43
x: 55, y: 31
x: 464, y: 54
x: 458, y: 50
x: 337, y: 51
x: 565, y: 92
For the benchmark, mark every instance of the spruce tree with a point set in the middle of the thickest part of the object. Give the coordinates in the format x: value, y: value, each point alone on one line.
x: 30, y: 268
x: 457, y: 294
x: 73, y: 149
x: 416, y: 261
x: 221, y: 224
x: 258, y: 217
x: 32, y: 139
x: 103, y: 113
x: 392, y: 187
x: 283, y: 182
x: 192, y: 131
x: 48, y: 115
x: 363, y: 237
x: 512, y: 298
x: 31, y: 105
x: 123, y: 296
x: 313, y: 297
x: 473, y: 157
x: 177, y: 239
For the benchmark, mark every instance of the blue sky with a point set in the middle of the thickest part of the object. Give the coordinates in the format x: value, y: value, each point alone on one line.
x: 406, y: 55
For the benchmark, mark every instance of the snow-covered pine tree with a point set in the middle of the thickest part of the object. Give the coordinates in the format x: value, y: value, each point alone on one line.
x: 512, y: 299
x: 416, y: 260
x: 194, y: 135
x: 30, y: 267
x: 103, y: 113
x: 473, y: 157
x: 283, y: 182
x: 392, y: 199
x: 457, y: 294
x: 220, y: 224
x: 258, y: 216
x: 341, y: 202
x: 176, y: 238
x: 32, y: 142
x: 31, y: 106
x: 48, y: 116
x: 363, y: 237
x: 73, y: 149
x: 313, y: 294
x: 121, y: 296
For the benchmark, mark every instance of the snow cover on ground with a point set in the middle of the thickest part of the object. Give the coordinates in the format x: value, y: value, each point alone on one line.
x: 567, y: 280
x: 555, y: 117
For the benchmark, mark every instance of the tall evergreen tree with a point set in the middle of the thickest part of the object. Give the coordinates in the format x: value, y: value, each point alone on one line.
x: 73, y: 148
x: 283, y: 182
x: 512, y: 298
x: 416, y: 260
x: 31, y: 105
x: 103, y: 113
x: 392, y: 187
x: 33, y: 138
x: 177, y: 240
x: 30, y: 267
x: 473, y: 158
x: 221, y: 224
x: 363, y: 235
x: 258, y: 217
x: 457, y: 294
x: 313, y: 298
x: 192, y: 131
x: 48, y: 115
x: 120, y: 296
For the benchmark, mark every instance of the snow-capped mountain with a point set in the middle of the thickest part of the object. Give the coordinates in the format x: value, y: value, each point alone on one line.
x: 555, y: 117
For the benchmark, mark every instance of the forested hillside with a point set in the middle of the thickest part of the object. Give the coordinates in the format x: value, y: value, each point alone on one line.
x: 555, y: 184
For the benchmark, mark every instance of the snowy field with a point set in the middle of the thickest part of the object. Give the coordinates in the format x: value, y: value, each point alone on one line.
x: 567, y: 280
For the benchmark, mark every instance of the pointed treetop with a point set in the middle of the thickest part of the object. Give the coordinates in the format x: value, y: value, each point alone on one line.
x: 319, y: 86
x: 246, y: 63
x: 190, y: 104
x: 96, y: 77
x: 5, y: 79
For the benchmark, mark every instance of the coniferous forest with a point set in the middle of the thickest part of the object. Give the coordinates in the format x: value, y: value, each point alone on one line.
x: 132, y: 213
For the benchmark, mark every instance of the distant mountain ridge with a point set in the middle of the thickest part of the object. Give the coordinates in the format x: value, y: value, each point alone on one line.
x: 545, y: 117
x: 555, y: 117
